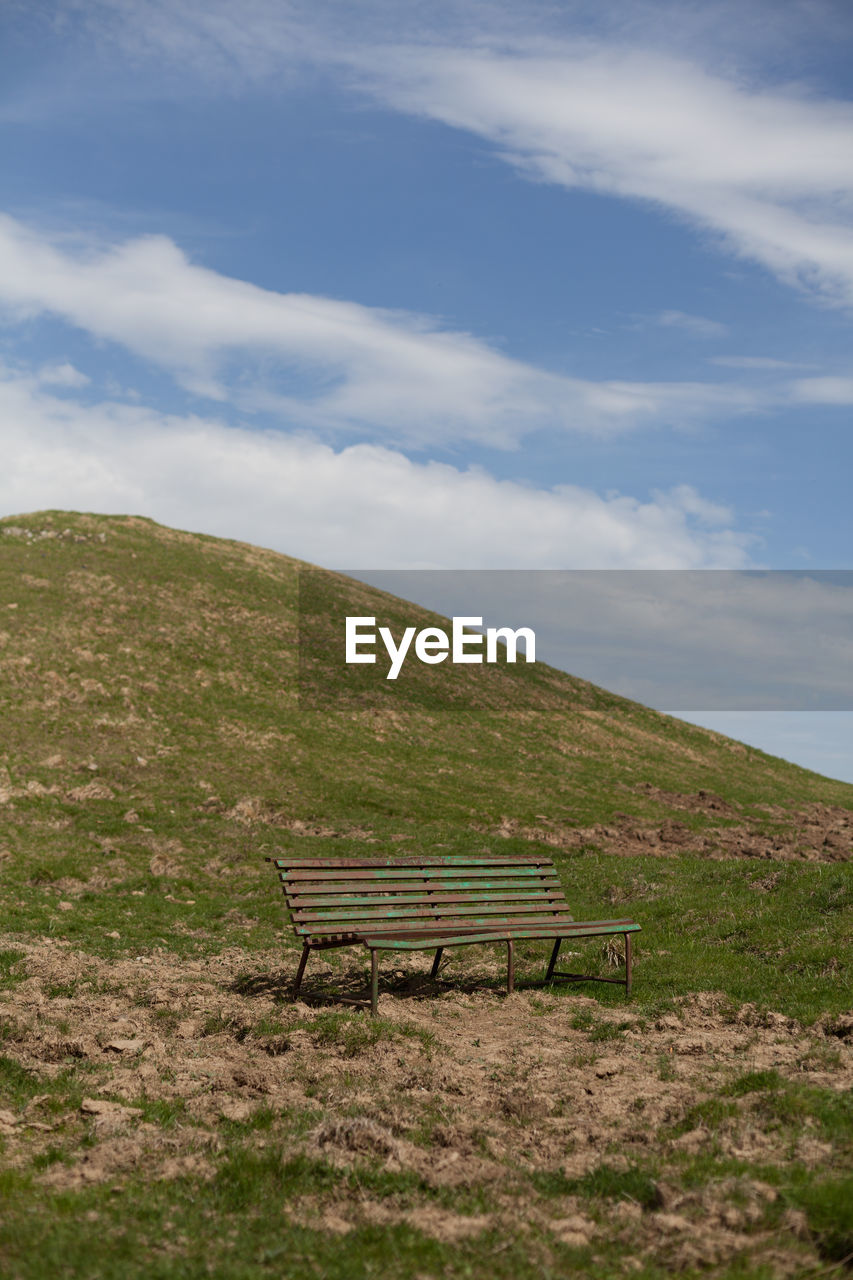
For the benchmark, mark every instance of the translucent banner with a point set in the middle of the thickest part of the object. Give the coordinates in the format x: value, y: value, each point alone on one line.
x: 714, y: 640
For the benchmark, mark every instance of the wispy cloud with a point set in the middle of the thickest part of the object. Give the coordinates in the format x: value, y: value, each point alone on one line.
x: 366, y: 504
x: 697, y: 326
x: 624, y: 99
x: 837, y: 390
x: 62, y: 375
x: 768, y: 363
x: 766, y: 171
x: 340, y: 366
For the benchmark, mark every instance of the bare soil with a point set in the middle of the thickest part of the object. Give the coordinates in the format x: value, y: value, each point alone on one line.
x: 814, y: 833
x: 461, y: 1085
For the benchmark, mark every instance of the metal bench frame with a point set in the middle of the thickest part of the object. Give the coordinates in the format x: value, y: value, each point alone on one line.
x: 421, y: 904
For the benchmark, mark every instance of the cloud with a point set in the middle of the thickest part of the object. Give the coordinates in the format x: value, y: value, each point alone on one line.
x: 755, y: 362
x: 62, y: 375
x: 337, y: 365
x: 698, y: 326
x: 824, y: 390
x: 766, y: 171
x: 363, y: 505
x: 205, y: 38
x: 622, y: 99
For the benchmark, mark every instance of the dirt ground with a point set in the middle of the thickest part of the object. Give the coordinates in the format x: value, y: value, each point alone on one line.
x: 460, y: 1084
x: 815, y: 833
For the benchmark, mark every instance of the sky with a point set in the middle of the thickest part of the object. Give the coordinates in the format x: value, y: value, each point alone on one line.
x: 437, y: 286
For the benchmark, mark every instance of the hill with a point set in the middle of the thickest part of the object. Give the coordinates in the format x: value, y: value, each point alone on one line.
x: 168, y: 719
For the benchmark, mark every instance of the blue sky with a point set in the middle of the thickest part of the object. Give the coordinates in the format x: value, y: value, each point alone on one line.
x: 453, y: 286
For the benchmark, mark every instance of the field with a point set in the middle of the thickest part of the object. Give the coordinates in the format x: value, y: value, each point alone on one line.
x: 167, y: 1111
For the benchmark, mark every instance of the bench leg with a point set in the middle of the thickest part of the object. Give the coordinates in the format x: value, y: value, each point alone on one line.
x: 510, y: 966
x: 303, y: 960
x: 552, y: 962
x: 436, y: 962
x: 374, y: 981
x: 627, y: 964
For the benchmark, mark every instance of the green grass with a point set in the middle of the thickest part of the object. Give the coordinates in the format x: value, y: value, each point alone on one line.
x: 828, y: 1205
x: 605, y: 1183
x: 160, y: 738
x: 238, y: 1215
x: 11, y: 969
x: 354, y: 1033
x: 754, y: 1082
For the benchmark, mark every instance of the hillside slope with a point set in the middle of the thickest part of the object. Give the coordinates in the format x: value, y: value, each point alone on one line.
x: 123, y: 640
x: 167, y: 1110
x: 154, y: 735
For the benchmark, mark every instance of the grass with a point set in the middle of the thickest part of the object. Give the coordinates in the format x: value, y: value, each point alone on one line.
x: 163, y: 731
x: 353, y: 1033
x: 11, y: 970
x: 828, y: 1205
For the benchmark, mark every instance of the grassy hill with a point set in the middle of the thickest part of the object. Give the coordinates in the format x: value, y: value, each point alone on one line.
x: 163, y: 729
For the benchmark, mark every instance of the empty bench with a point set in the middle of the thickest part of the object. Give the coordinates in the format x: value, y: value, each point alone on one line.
x: 425, y: 904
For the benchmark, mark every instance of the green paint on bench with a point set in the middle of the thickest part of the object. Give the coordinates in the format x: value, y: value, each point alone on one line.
x: 424, y: 904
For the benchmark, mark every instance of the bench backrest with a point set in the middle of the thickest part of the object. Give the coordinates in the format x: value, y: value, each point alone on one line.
x: 331, y: 899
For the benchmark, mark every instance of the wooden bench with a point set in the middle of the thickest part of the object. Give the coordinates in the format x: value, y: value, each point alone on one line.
x: 421, y: 904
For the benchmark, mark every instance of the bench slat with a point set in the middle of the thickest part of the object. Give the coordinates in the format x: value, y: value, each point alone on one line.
x: 396, y: 864
x: 494, y: 931
x: 426, y: 941
x: 400, y: 924
x: 391, y: 911
x: 415, y: 898
x: 333, y: 888
x: 409, y: 903
x: 411, y: 940
x: 377, y: 875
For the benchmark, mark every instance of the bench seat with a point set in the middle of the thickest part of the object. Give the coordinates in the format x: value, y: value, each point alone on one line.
x: 423, y: 904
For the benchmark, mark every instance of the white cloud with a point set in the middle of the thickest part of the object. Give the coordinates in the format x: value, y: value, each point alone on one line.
x: 342, y: 366
x: 824, y: 390
x: 766, y: 170
x: 698, y: 326
x: 63, y: 375
x: 365, y: 504
x: 755, y: 362
x: 207, y: 38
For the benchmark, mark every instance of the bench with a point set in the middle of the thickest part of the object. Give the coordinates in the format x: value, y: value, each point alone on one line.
x: 421, y: 904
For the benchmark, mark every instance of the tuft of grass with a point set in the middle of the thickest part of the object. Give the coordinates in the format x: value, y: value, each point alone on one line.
x: 11, y: 968
x: 61, y: 990
x: 797, y: 1104
x: 248, y: 1178
x: 666, y: 1067
x: 709, y: 1114
x: 17, y: 1084
x: 166, y: 1113
x: 52, y: 1155
x: 604, y: 1182
x: 753, y: 1082
x: 356, y: 1033
x: 609, y: 1031
x: 828, y: 1206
